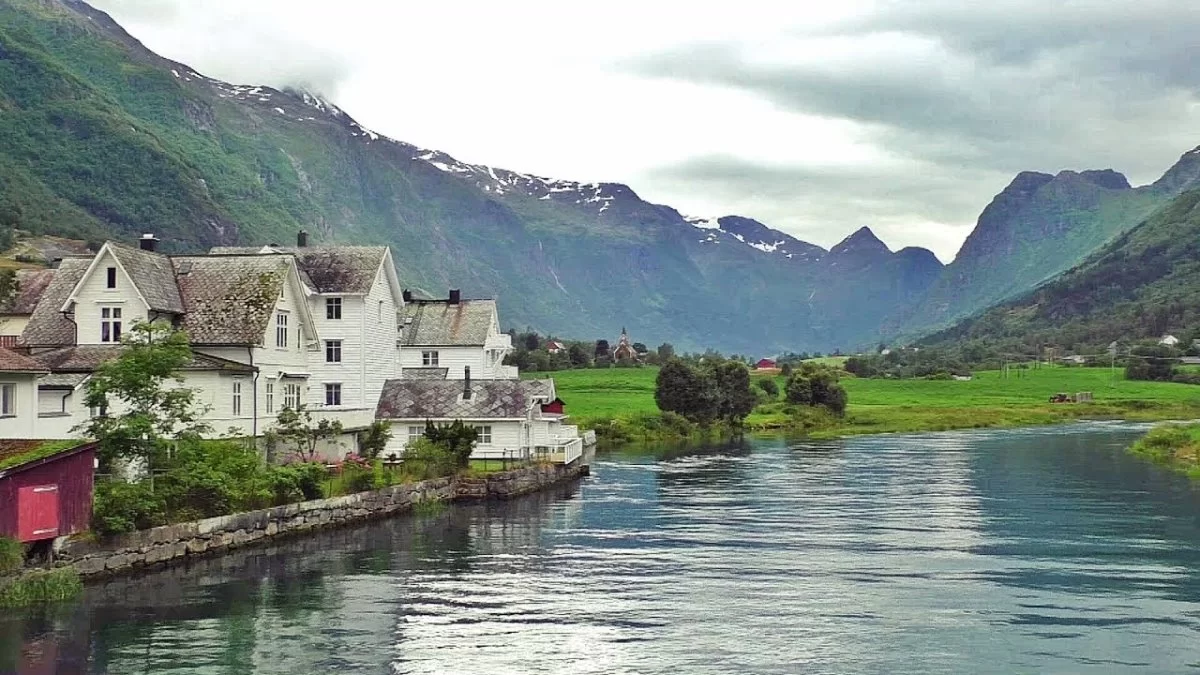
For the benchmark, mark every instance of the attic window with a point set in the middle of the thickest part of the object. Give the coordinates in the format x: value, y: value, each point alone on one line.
x: 111, y: 278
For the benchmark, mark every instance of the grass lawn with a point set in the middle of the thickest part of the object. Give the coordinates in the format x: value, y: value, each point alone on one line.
x: 913, y: 405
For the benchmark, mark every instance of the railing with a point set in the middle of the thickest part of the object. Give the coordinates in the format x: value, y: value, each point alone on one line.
x: 351, y: 418
x: 562, y: 452
x: 568, y: 431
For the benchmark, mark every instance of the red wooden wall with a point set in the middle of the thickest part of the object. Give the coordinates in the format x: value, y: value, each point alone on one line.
x: 72, y: 474
x: 555, y: 407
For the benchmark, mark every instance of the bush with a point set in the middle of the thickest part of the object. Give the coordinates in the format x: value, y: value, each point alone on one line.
x: 768, y: 386
x: 373, y: 441
x: 12, y: 555
x: 124, y: 507
x: 425, y: 459
x: 816, y: 386
x: 296, y: 482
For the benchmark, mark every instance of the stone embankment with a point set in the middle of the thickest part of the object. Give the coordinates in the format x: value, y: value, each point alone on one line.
x: 128, y: 553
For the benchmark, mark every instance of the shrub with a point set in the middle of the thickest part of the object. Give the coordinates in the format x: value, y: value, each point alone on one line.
x: 12, y: 555
x: 124, y: 507
x: 373, y: 441
x: 457, y: 438
x: 816, y: 386
x: 425, y: 459
x: 768, y: 386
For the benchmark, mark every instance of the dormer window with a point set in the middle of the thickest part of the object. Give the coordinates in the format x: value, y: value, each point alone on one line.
x: 333, y: 308
x: 110, y: 279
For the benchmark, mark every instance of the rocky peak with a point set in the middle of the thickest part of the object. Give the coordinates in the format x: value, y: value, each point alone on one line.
x: 1184, y: 175
x: 1107, y: 178
x: 862, y: 242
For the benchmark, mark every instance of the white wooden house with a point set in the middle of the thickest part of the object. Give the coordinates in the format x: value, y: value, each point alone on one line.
x: 441, y: 338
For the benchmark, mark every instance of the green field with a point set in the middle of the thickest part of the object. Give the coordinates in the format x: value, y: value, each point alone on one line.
x: 912, y: 405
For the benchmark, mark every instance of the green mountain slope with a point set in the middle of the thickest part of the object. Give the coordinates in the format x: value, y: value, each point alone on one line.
x: 1142, y: 285
x: 99, y: 138
x: 1036, y: 228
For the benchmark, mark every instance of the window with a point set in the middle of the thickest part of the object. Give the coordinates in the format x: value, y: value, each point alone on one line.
x: 237, y: 398
x: 333, y: 308
x: 291, y: 396
x: 333, y: 394
x: 8, y: 400
x: 429, y: 359
x: 110, y: 324
x: 270, y: 390
x: 333, y: 351
x: 281, y: 330
x: 415, y: 432
x: 111, y: 278
x: 485, y: 434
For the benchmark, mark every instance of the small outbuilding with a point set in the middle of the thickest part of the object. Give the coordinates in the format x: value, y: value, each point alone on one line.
x: 45, y: 488
x: 764, y: 364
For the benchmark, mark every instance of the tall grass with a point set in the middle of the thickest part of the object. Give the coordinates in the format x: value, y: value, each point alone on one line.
x: 40, y: 586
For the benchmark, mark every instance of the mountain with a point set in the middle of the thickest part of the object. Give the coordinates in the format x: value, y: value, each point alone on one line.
x: 1141, y: 285
x: 1036, y: 228
x: 99, y: 138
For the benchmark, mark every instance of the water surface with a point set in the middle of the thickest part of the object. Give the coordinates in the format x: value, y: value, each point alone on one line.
x: 1040, y: 551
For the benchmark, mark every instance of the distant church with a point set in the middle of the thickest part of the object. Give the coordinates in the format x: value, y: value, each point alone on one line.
x: 624, y: 350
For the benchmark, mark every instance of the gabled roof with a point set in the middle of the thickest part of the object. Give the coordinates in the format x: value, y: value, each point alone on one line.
x: 62, y: 380
x: 47, y: 325
x: 437, y: 323
x: 327, y: 269
x: 86, y: 358
x: 230, y: 299
x: 31, y: 284
x: 150, y: 272
x: 12, y: 362
x: 443, y: 399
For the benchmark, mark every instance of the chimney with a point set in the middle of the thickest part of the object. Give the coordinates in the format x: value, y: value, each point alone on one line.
x: 148, y: 242
x: 301, y: 239
x: 407, y: 294
x: 466, y: 383
x: 455, y: 296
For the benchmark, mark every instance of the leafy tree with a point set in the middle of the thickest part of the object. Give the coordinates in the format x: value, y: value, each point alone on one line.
x: 532, y: 341
x: 374, y: 439
x: 456, y: 438
x: 666, y: 352
x: 768, y: 385
x: 1151, y: 362
x: 684, y: 389
x: 578, y: 355
x: 640, y: 348
x: 733, y: 384
x: 138, y: 385
x: 602, y: 348
x: 786, y: 369
x: 816, y: 386
x: 295, y: 426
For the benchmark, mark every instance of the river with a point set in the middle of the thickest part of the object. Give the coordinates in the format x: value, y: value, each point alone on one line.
x: 1042, y: 551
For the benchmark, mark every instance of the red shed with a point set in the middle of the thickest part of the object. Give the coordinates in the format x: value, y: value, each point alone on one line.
x: 45, y: 488
x: 764, y: 364
x: 554, y: 407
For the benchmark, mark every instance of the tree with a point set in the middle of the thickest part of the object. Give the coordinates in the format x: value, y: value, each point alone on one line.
x: 602, y: 348
x: 733, y: 384
x: 688, y: 391
x: 816, y: 386
x: 456, y: 438
x: 374, y: 439
x: 578, y: 355
x: 785, y: 369
x: 296, y: 426
x: 138, y: 385
x: 532, y: 341
x: 768, y: 385
x: 1151, y: 362
x: 640, y: 348
x: 666, y: 352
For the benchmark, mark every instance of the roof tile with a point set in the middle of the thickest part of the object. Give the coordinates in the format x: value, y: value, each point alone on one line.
x: 439, y: 323
x: 442, y: 399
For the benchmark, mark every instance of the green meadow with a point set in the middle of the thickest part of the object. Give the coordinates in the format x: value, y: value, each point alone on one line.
x: 879, y: 405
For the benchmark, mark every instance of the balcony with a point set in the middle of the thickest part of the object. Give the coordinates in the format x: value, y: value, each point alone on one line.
x: 562, y: 451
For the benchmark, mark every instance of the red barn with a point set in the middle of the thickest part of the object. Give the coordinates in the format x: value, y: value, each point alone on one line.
x: 45, y: 489
x: 554, y: 407
x: 764, y: 364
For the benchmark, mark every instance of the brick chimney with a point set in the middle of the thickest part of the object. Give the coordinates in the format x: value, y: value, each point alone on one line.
x: 302, y: 239
x: 455, y: 296
x: 466, y: 383
x: 148, y: 242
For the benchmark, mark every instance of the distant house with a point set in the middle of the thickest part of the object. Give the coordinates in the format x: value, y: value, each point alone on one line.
x: 624, y: 350
x: 46, y: 488
x: 1169, y: 341
x: 765, y: 364
x: 1074, y: 359
x: 19, y: 395
x: 19, y: 301
x: 555, y: 347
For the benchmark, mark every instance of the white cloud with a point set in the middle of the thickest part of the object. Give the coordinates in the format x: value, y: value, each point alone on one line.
x: 816, y: 96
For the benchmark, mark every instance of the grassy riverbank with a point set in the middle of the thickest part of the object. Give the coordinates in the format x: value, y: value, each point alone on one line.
x: 625, y: 398
x: 1176, y: 446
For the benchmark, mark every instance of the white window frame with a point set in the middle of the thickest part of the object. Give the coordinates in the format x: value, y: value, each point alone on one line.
x: 430, y: 358
x: 333, y: 348
x: 111, y: 323
x: 269, y: 389
x: 333, y: 390
x: 110, y: 278
x: 485, y: 434
x: 416, y: 431
x: 333, y: 306
x: 291, y: 395
x: 236, y: 397
x: 281, y: 330
x: 8, y: 399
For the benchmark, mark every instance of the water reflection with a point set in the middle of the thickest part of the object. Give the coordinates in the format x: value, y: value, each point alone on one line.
x: 1044, y: 550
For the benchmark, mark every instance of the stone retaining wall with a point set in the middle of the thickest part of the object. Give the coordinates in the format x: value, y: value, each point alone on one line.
x: 127, y: 553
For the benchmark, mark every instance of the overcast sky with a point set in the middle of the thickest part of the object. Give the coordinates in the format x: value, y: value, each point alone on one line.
x: 816, y: 118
